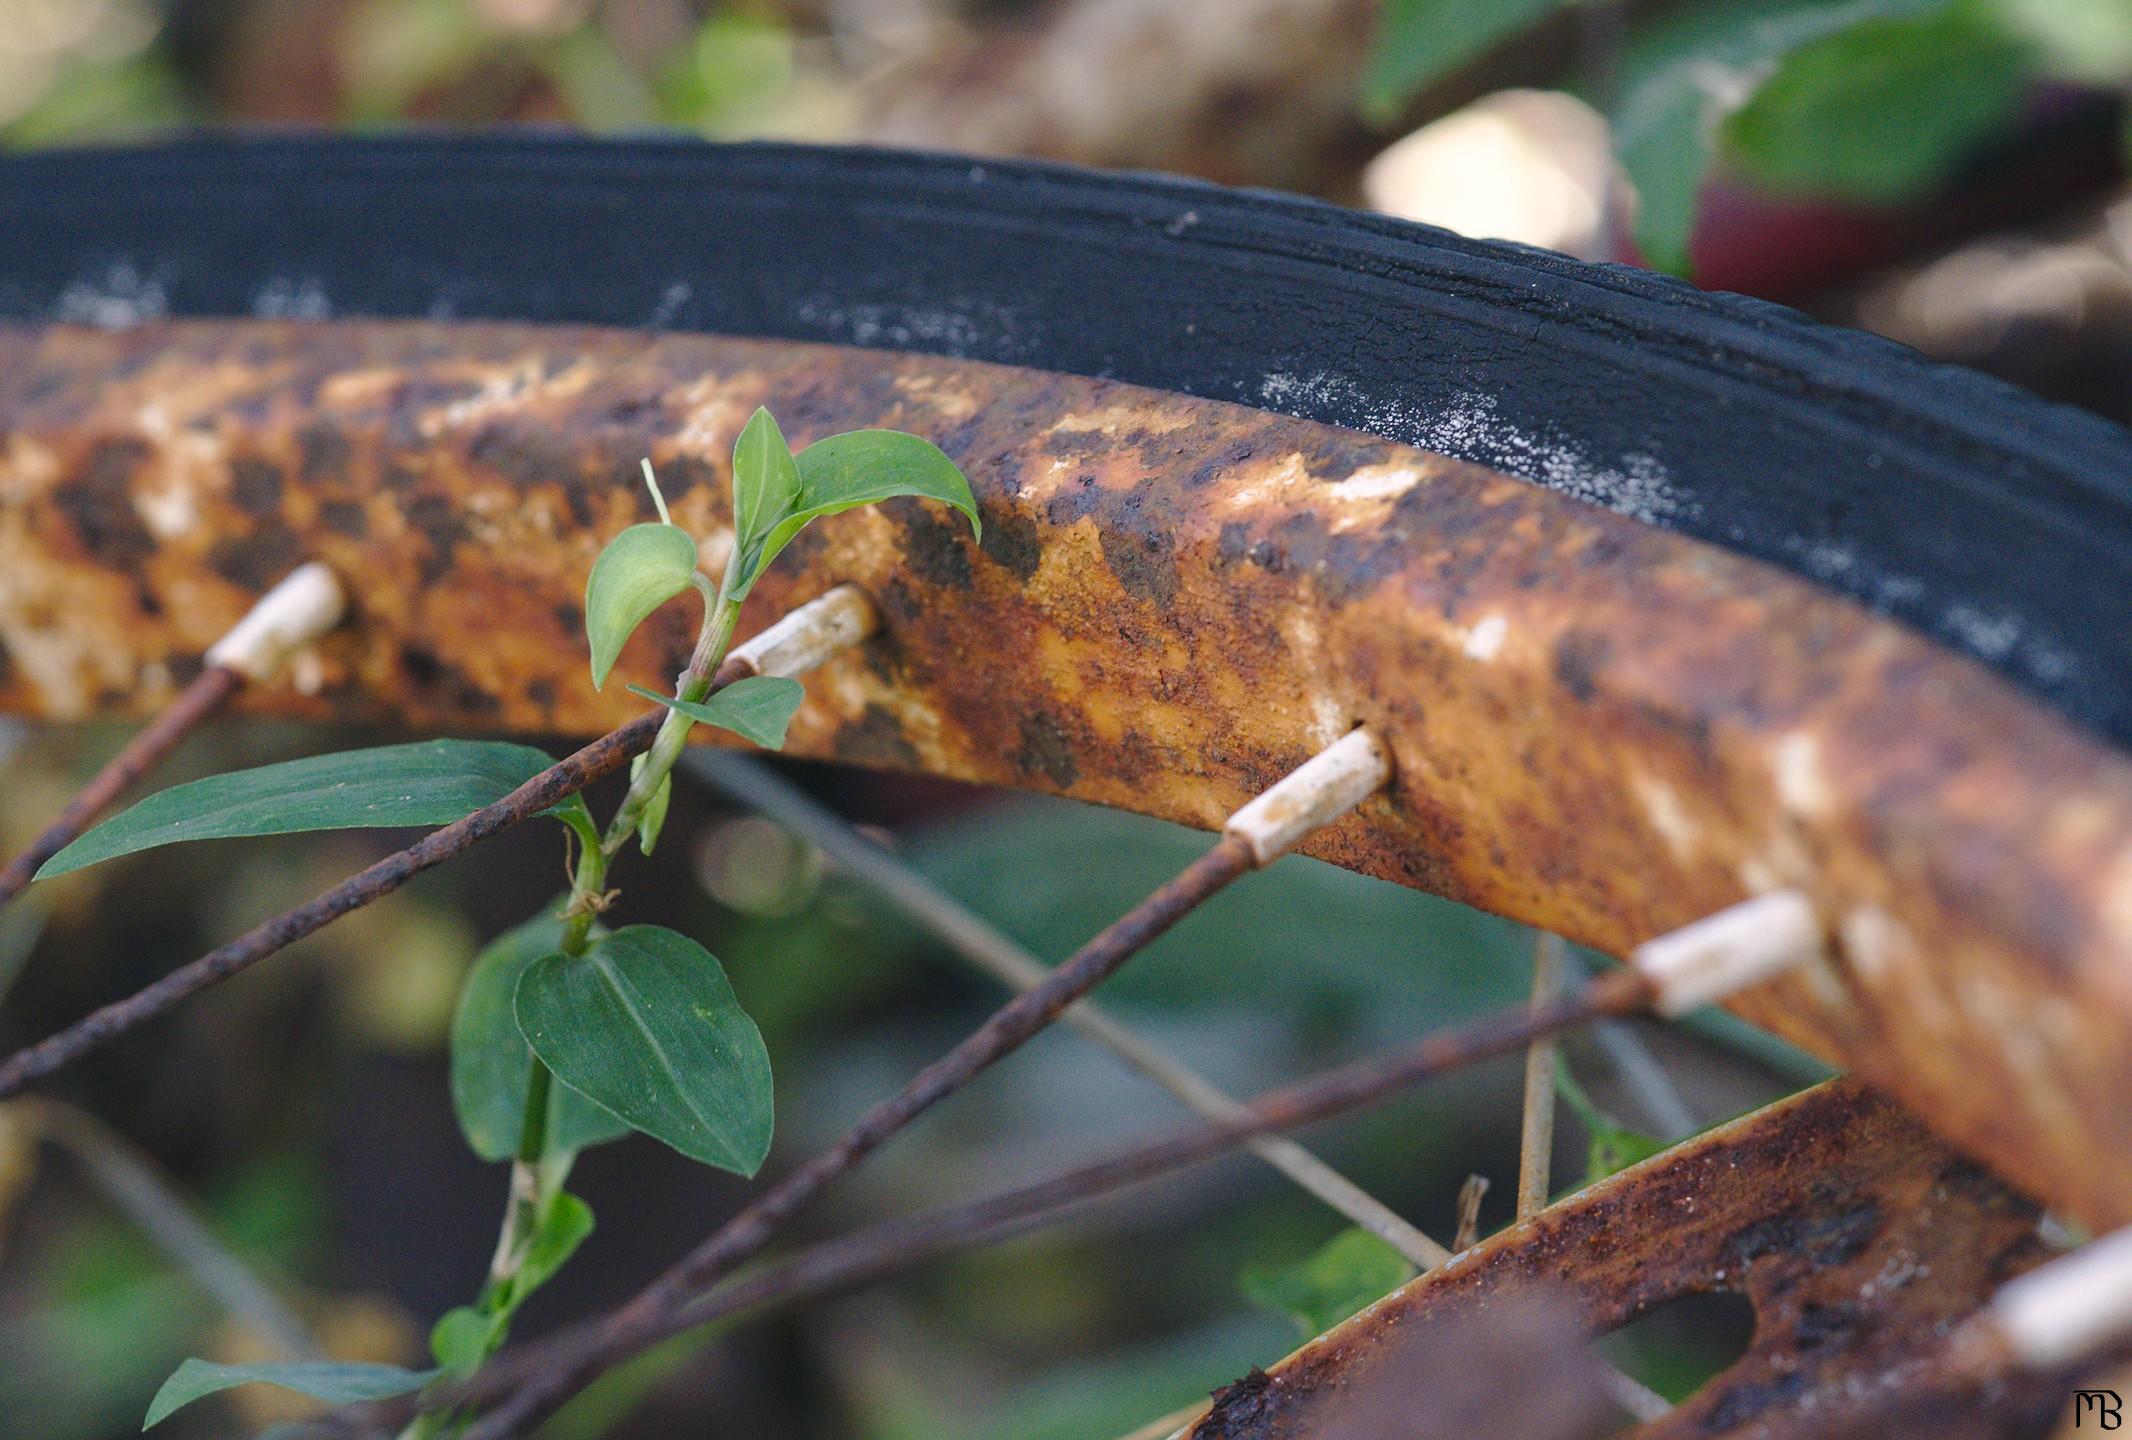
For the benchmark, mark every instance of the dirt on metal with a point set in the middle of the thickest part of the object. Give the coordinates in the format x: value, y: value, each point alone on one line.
x: 1860, y: 1240
x: 1599, y: 727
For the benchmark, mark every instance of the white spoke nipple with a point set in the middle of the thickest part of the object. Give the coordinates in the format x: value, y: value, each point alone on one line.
x: 2070, y: 1308
x: 304, y: 606
x: 1737, y: 947
x: 811, y: 635
x: 1318, y: 792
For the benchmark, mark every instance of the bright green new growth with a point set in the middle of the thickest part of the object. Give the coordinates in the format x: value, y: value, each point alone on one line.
x: 776, y: 494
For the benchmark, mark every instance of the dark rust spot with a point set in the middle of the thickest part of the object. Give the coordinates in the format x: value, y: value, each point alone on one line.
x: 344, y: 517
x: 256, y: 561
x: 876, y: 738
x: 1013, y: 540
x: 99, y: 505
x: 439, y: 522
x: 934, y: 546
x: 325, y: 453
x: 255, y: 485
x: 1579, y: 657
x: 1046, y: 750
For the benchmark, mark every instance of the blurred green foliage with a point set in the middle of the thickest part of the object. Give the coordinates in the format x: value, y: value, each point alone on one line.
x: 102, y: 70
x: 1870, y: 101
x: 1347, y: 1272
x: 1612, y: 1146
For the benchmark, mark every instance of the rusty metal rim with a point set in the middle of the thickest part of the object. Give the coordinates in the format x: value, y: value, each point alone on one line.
x: 1860, y: 1242
x: 1932, y: 492
x: 1600, y: 728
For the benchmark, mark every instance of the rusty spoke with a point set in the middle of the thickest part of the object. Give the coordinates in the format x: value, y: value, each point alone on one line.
x: 751, y: 783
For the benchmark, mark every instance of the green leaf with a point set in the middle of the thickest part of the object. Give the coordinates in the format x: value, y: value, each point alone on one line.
x: 776, y: 495
x: 490, y: 1059
x: 433, y: 782
x: 646, y: 1023
x: 1614, y: 1146
x: 1882, y: 112
x: 337, y: 1383
x: 654, y: 818
x: 463, y: 1337
x: 566, y: 1225
x: 757, y: 709
x: 766, y: 493
x: 1421, y: 41
x: 641, y: 569
x: 1685, y: 75
x: 1351, y: 1270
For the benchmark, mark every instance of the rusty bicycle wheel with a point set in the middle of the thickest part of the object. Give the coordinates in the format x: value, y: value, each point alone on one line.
x: 1659, y: 599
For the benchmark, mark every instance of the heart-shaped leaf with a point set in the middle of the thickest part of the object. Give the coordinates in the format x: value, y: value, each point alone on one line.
x: 641, y: 569
x: 490, y: 1060
x: 775, y: 494
x: 433, y: 782
x: 337, y: 1383
x: 758, y: 709
x: 645, y: 1023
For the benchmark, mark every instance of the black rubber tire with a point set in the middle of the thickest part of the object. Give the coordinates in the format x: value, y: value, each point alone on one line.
x: 1998, y: 523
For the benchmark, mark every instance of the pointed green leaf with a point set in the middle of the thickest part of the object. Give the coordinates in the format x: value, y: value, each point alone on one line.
x: 490, y: 1060
x: 1351, y: 1270
x: 654, y: 818
x: 337, y: 1383
x: 842, y: 472
x: 641, y: 569
x: 766, y: 491
x: 646, y: 1023
x: 757, y: 709
x: 433, y: 782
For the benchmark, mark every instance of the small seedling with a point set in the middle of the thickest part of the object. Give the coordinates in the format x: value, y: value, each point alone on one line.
x: 569, y: 1034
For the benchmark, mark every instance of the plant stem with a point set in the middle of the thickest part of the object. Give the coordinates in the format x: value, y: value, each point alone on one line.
x: 692, y: 685
x: 537, y: 1175
x: 586, y: 891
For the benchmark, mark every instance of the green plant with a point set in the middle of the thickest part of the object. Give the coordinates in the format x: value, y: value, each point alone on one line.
x: 568, y: 1034
x: 1869, y: 101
